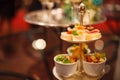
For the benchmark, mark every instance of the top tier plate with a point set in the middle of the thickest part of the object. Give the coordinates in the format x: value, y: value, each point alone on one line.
x: 53, y: 18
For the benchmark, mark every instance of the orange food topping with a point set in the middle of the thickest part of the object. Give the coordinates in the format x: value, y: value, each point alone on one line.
x: 68, y: 32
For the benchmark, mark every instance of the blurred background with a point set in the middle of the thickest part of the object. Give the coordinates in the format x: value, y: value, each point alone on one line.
x: 20, y: 59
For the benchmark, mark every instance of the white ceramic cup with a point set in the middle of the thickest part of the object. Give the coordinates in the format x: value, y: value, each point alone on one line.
x: 65, y: 69
x: 93, y: 69
x: 70, y: 53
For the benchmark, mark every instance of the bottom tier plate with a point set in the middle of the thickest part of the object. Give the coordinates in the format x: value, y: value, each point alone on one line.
x: 78, y: 75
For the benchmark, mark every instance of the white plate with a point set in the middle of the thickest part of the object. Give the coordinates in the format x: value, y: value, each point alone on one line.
x: 84, y: 77
x: 56, y: 74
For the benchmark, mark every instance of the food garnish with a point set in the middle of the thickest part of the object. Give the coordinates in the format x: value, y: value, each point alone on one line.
x: 95, y: 57
x: 65, y: 59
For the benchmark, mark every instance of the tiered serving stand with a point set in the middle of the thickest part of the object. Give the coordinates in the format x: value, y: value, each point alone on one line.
x: 80, y: 74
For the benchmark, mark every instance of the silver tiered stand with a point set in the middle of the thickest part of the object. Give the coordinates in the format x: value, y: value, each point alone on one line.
x: 80, y: 74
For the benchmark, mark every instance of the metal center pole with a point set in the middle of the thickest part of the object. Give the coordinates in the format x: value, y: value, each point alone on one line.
x: 81, y: 12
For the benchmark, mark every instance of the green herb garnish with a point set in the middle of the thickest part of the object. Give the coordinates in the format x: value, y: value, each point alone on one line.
x: 66, y: 60
x: 62, y: 59
x: 71, y: 50
x: 74, y: 33
x: 74, y: 45
x: 102, y: 55
x: 85, y: 51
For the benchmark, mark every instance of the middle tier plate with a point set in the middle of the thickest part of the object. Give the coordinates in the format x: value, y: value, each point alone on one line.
x: 80, y: 41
